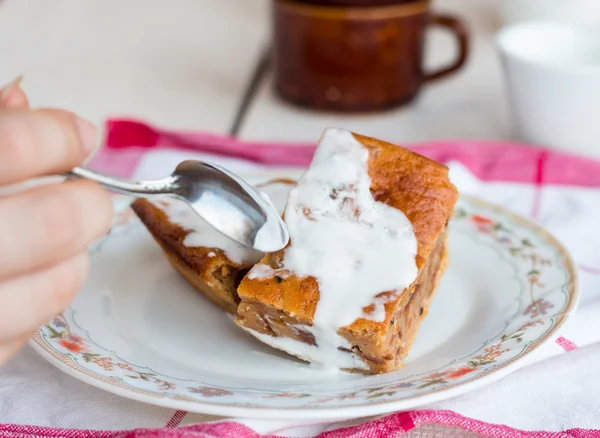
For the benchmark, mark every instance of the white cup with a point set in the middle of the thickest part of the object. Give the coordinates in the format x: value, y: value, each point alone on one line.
x: 553, y: 80
x: 574, y: 11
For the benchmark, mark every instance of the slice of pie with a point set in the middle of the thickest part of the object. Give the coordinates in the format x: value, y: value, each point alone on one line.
x: 368, y: 226
x: 209, y: 261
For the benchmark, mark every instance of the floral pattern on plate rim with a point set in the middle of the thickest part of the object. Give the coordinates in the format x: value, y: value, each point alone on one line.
x: 528, y: 328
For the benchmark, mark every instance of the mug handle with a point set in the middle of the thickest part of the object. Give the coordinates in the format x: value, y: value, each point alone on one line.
x: 462, y: 37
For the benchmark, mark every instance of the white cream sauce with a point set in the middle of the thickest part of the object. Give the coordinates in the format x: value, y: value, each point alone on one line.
x: 354, y: 246
x: 306, y: 351
x: 269, y: 235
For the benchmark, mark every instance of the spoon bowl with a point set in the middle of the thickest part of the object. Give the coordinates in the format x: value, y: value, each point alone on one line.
x: 225, y: 201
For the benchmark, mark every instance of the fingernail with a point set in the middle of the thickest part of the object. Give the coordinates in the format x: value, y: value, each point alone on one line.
x: 7, y: 90
x: 88, y: 135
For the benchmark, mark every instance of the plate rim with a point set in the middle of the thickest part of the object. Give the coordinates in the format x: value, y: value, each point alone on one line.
x: 112, y: 385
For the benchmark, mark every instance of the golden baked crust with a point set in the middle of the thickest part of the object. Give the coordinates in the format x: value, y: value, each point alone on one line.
x: 415, y: 185
x: 208, y: 269
x: 402, y: 179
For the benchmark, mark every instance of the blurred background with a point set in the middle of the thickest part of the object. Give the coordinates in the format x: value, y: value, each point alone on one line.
x: 202, y: 64
x: 187, y: 64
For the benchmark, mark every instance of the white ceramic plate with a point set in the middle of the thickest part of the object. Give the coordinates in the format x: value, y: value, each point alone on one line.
x: 139, y: 330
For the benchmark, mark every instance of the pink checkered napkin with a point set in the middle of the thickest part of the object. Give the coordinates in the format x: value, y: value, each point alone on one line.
x: 558, y: 396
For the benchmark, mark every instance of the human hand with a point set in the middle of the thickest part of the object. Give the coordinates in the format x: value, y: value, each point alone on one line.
x: 44, y: 231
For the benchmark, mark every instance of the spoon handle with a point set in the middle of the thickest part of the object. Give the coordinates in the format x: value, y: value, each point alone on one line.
x: 140, y: 189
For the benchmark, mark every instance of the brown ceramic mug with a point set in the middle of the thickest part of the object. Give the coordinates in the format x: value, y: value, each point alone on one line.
x: 356, y: 58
